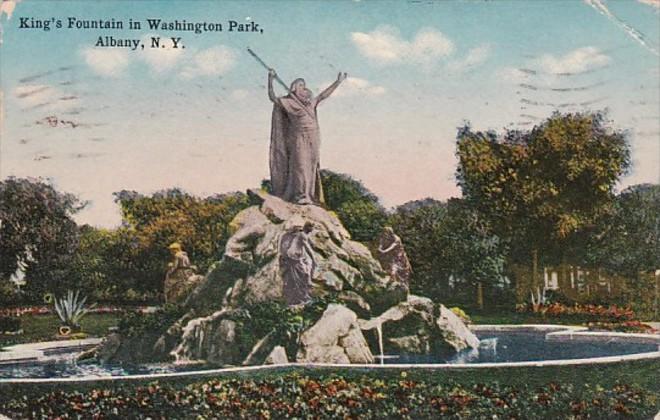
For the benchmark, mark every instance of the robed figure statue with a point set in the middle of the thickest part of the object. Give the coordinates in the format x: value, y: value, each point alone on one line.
x: 295, y: 142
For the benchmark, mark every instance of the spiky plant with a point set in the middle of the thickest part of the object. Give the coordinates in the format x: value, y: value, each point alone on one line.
x: 70, y: 309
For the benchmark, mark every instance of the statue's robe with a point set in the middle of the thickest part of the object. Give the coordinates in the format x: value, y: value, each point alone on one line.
x: 295, y: 144
x: 180, y: 278
x: 297, y: 267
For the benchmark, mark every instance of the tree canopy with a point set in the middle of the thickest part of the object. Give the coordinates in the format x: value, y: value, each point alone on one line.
x: 540, y: 188
x: 358, y: 208
x: 37, y: 232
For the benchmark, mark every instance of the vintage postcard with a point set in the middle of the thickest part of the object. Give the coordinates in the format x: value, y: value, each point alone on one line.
x: 330, y: 209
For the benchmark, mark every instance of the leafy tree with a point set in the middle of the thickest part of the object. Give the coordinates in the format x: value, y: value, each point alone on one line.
x: 358, y: 208
x: 151, y: 223
x: 627, y: 242
x: 541, y: 189
x: 420, y: 226
x: 105, y: 265
x: 36, y: 233
x: 452, y: 250
x: 475, y: 255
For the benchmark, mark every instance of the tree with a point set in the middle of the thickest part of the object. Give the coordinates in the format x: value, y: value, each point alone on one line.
x: 151, y: 223
x: 453, y: 252
x: 541, y: 189
x: 627, y: 242
x: 420, y: 226
x: 358, y: 208
x: 37, y: 233
x: 475, y: 255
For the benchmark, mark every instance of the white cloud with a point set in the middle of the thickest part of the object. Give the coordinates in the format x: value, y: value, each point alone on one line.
x: 474, y: 57
x: 108, y: 62
x: 354, y: 86
x: 576, y: 61
x: 213, y: 61
x: 160, y: 59
x: 384, y: 45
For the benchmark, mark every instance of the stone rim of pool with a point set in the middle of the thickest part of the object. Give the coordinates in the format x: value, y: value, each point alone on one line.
x: 554, y: 333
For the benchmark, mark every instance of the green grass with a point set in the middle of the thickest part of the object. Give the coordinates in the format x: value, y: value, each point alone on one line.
x: 44, y: 328
x: 485, y: 317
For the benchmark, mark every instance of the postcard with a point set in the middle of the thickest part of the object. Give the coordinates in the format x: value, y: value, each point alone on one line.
x: 338, y: 209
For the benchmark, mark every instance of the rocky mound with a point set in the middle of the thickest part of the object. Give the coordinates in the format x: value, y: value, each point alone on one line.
x: 226, y: 317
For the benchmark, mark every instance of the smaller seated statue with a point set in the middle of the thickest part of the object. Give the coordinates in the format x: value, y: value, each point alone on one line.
x: 181, y: 278
x: 393, y: 258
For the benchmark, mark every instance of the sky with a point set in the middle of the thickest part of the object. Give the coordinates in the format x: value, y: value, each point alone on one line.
x: 97, y: 120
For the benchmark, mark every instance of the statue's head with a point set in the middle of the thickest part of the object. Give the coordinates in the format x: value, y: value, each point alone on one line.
x: 175, y: 247
x: 299, y: 88
x: 388, y: 233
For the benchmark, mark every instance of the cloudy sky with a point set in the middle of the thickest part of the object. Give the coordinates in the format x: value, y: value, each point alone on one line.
x: 98, y: 120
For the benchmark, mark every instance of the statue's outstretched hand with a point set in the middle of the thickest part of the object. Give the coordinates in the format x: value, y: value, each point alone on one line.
x: 341, y: 77
x: 272, y: 73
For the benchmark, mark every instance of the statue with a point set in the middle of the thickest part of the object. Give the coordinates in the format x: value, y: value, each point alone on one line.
x: 180, y: 278
x: 297, y: 264
x: 295, y: 142
x: 392, y: 256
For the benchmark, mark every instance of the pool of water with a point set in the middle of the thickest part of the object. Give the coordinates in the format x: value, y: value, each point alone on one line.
x: 506, y: 347
x: 495, y: 347
x: 70, y: 369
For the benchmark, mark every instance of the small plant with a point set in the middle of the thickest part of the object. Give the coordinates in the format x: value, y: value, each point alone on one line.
x: 71, y: 310
x: 461, y: 314
x: 539, y: 300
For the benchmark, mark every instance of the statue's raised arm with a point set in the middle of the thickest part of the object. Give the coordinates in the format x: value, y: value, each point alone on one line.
x: 328, y: 91
x: 271, y: 92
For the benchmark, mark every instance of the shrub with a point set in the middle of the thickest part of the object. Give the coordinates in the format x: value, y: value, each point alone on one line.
x: 71, y: 309
x: 135, y: 324
x: 334, y: 396
x: 9, y: 324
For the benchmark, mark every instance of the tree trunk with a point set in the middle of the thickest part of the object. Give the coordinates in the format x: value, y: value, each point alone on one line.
x: 480, y: 295
x: 535, y: 267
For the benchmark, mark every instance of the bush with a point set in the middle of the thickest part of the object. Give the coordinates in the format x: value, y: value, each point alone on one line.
x: 9, y: 324
x: 300, y: 396
x: 136, y: 324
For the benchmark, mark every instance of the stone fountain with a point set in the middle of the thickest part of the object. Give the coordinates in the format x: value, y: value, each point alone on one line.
x: 362, y: 300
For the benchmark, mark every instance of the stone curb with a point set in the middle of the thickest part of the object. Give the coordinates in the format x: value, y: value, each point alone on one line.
x: 30, y: 352
x: 566, y: 330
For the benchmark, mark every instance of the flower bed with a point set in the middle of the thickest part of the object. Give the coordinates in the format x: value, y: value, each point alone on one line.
x: 333, y: 396
x: 596, y: 317
x: 45, y: 310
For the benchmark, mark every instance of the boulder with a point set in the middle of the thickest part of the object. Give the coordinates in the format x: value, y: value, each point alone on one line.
x: 412, y: 326
x: 214, y: 338
x: 277, y: 357
x: 454, y: 331
x: 335, y: 338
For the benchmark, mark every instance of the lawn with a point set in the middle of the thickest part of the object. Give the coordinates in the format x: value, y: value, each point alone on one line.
x: 44, y: 328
